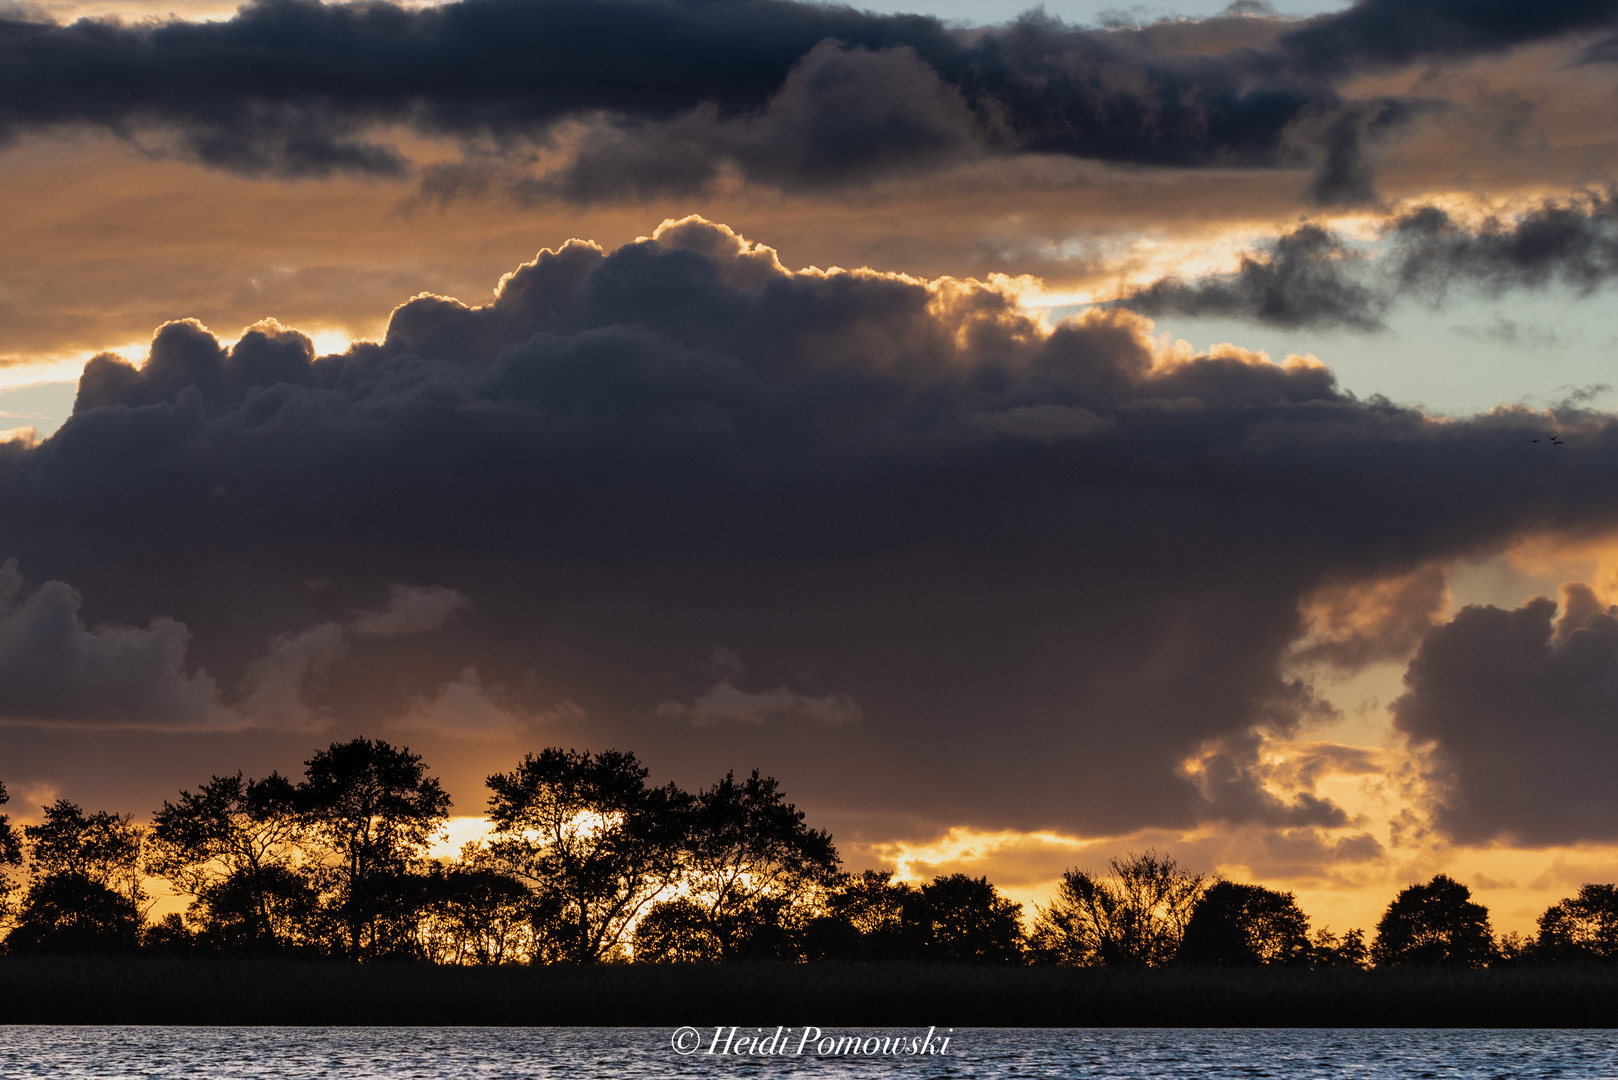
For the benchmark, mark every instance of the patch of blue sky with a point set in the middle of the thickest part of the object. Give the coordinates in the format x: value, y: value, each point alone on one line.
x: 1463, y: 357
x: 42, y: 406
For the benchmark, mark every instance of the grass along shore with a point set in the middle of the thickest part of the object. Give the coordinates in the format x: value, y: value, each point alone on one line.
x: 156, y: 990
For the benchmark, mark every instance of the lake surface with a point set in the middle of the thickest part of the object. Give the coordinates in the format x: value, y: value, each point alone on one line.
x: 149, y: 1053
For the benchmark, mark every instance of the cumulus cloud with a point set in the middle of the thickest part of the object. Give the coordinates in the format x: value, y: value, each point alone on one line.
x: 1518, y: 708
x: 723, y: 704
x: 54, y: 670
x: 628, y: 455
x: 791, y: 94
x: 466, y: 709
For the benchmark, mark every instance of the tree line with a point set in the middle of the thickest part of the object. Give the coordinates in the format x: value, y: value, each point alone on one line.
x: 587, y: 862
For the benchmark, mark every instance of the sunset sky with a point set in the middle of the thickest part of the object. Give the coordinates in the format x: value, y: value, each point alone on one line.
x: 1029, y: 436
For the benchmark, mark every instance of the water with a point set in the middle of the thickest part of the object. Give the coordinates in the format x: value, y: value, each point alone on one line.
x: 151, y: 1053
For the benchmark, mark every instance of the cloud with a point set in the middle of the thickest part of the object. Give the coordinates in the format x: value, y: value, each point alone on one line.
x: 1518, y: 708
x: 1045, y: 423
x: 465, y: 709
x: 1314, y: 277
x: 411, y: 609
x: 723, y: 704
x: 55, y: 671
x: 627, y: 455
x: 1354, y: 624
x: 651, y: 93
x: 1307, y: 277
x: 276, y: 689
x: 1379, y: 34
x: 1572, y: 242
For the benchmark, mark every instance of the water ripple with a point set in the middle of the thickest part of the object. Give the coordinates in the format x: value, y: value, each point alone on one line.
x: 270, y: 1053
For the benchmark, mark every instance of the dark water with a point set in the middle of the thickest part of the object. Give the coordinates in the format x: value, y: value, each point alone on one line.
x: 128, y: 1053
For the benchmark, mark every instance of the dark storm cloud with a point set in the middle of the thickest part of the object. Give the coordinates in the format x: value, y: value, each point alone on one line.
x: 978, y: 571
x: 792, y: 94
x: 1520, y: 708
x: 1317, y: 278
x: 1387, y: 33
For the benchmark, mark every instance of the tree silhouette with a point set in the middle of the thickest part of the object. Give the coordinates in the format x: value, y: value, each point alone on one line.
x: 869, y: 916
x: 102, y: 848
x: 1235, y: 925
x: 595, y: 844
x: 10, y: 842
x: 274, y: 909
x: 66, y: 912
x: 752, y: 866
x: 1134, y: 917
x: 1582, y: 927
x: 677, y: 931
x: 10, y: 855
x: 1432, y: 924
x: 233, y: 846
x: 371, y: 812
x: 1329, y: 950
x: 969, y: 921
x: 85, y: 892
x: 475, y: 914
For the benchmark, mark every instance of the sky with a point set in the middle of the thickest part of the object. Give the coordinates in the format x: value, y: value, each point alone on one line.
x: 1030, y: 436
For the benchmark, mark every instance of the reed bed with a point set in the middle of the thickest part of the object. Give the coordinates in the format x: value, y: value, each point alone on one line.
x: 185, y: 991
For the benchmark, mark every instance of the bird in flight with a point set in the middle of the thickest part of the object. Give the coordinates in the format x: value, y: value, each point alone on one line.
x: 1556, y: 442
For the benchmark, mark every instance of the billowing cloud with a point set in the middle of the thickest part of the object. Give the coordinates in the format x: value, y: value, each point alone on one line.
x: 642, y: 95
x: 54, y: 670
x: 1519, y: 708
x: 856, y: 480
